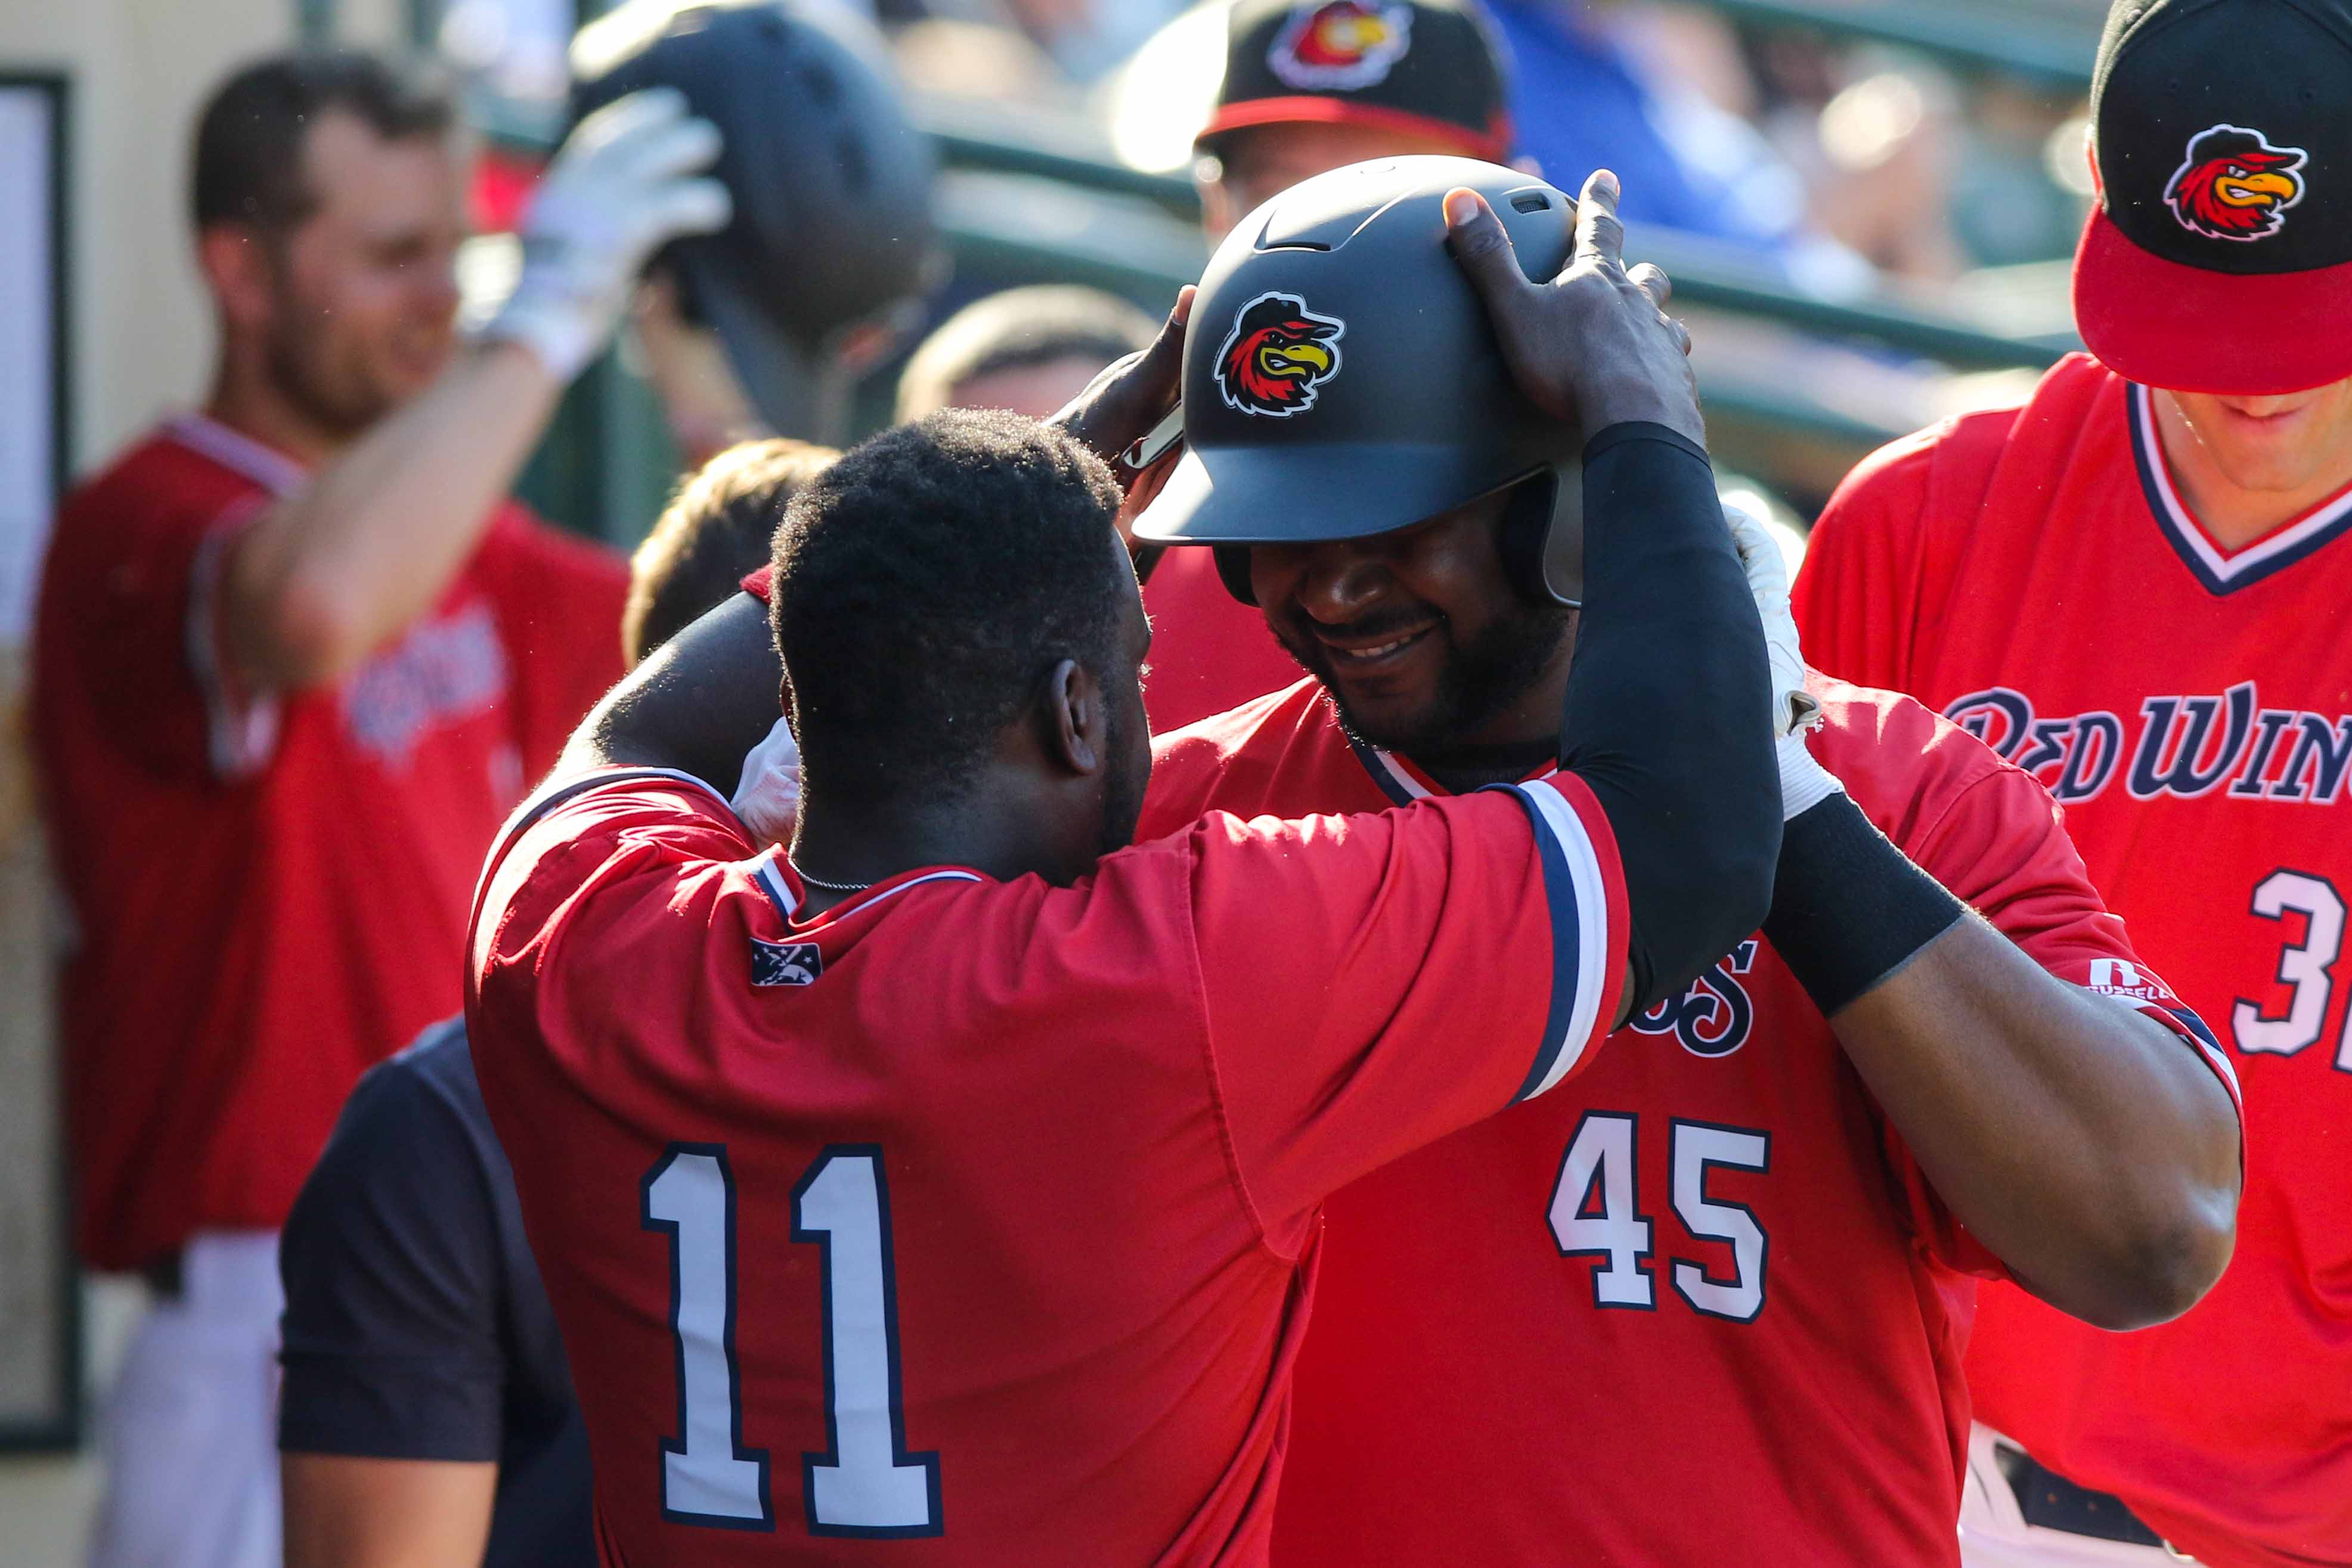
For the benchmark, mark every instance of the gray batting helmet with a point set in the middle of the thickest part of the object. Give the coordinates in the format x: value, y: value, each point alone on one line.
x: 1342, y: 378
x: 831, y: 183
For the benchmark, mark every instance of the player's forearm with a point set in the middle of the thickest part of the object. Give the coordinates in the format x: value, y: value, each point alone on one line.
x: 324, y: 577
x: 342, y: 1511
x: 703, y: 700
x: 1667, y: 716
x: 2082, y: 1142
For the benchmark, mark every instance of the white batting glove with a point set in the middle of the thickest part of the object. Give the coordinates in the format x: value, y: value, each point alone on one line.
x: 1804, y: 783
x: 623, y: 184
x: 768, y: 800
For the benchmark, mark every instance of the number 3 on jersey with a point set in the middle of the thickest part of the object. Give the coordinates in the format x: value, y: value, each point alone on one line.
x: 2303, y: 965
x: 1596, y: 1211
x: 864, y: 1483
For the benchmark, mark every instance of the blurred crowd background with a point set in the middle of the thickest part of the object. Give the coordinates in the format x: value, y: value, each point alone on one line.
x: 1867, y: 205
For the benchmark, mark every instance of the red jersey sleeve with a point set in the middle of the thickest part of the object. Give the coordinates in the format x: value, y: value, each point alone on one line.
x: 2002, y: 847
x: 1993, y: 835
x: 1373, y: 983
x: 129, y: 623
x: 559, y: 603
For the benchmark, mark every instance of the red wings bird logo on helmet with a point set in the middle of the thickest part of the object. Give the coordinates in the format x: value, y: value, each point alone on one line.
x: 1278, y: 354
x: 2234, y: 185
x: 1345, y: 44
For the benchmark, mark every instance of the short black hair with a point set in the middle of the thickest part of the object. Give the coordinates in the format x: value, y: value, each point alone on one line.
x: 250, y: 138
x: 718, y: 528
x: 1016, y: 329
x: 927, y: 583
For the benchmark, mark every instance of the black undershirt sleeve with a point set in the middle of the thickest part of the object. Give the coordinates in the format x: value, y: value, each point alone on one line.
x: 1668, y: 716
x: 391, y: 1263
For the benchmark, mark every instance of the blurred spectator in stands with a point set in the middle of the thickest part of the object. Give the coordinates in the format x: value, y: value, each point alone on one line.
x: 1084, y: 38
x: 297, y: 657
x: 406, y: 1250
x: 1583, y: 99
x: 1313, y: 85
x: 1028, y: 350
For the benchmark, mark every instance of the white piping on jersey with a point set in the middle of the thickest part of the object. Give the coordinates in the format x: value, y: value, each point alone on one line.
x: 764, y: 869
x: 2163, y: 1015
x: 272, y: 471
x: 1591, y: 891
x: 240, y: 738
x: 2177, y: 519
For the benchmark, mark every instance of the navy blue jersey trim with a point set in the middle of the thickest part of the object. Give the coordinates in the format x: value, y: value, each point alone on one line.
x: 1567, y: 943
x: 2140, y: 415
x: 1397, y: 794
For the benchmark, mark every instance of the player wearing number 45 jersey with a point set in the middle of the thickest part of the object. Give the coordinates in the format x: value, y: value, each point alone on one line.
x: 2134, y: 588
x: 1712, y: 1311
x: 939, y: 1192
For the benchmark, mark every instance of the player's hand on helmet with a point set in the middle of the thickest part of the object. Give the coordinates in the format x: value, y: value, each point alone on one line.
x: 624, y: 182
x: 1124, y: 406
x: 1594, y: 346
x: 768, y: 798
x: 1804, y: 783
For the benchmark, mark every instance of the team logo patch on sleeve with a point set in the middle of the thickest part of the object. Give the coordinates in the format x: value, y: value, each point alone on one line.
x: 785, y: 963
x: 1278, y: 354
x: 2234, y: 185
x: 1343, y: 44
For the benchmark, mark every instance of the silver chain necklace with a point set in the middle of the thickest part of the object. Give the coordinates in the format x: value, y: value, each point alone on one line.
x: 820, y: 882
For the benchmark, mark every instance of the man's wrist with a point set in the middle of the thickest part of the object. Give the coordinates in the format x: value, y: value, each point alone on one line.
x: 1848, y: 909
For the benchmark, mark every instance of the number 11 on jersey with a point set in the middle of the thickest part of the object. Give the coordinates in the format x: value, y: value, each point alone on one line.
x: 864, y: 1483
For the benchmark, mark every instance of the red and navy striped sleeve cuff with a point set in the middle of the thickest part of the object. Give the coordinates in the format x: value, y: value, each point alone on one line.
x: 1585, y: 887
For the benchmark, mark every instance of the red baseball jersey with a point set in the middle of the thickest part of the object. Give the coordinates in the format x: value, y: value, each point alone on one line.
x: 1708, y: 1312
x: 1209, y: 650
x: 2035, y: 575
x: 978, y: 1218
x: 270, y: 889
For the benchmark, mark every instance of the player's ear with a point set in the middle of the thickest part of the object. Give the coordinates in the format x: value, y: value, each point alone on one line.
x: 235, y: 263
x: 1075, y: 719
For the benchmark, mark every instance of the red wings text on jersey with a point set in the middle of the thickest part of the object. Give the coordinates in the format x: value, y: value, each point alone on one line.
x: 270, y: 886
x: 980, y: 1216
x: 1718, y: 1273
x: 2035, y: 573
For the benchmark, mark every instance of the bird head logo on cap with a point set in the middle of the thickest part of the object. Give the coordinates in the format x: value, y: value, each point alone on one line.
x: 1278, y: 355
x: 2234, y: 185
x: 1345, y: 44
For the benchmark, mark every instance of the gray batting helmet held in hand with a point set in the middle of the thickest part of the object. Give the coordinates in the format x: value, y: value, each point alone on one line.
x: 832, y: 183
x: 1341, y: 379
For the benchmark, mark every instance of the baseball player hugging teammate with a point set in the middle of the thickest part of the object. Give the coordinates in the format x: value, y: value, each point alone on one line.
x: 1585, y: 1056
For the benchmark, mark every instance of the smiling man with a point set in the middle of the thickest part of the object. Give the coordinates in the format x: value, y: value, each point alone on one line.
x: 2134, y: 588
x: 1714, y: 1313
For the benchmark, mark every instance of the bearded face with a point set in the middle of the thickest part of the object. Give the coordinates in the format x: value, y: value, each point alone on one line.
x: 1278, y: 354
x: 2234, y: 185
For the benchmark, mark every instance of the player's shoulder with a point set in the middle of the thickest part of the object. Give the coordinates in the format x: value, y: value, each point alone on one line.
x: 168, y: 474
x: 584, y: 838
x: 1907, y: 766
x: 430, y: 1079
x: 1230, y: 751
x: 1940, y: 473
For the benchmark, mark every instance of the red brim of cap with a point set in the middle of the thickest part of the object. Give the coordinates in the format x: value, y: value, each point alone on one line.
x: 2185, y: 328
x: 1316, y: 109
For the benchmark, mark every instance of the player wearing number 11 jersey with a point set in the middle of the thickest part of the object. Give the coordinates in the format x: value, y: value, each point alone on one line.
x: 943, y: 1194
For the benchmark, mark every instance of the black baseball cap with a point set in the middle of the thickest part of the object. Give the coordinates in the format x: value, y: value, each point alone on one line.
x: 2219, y: 256
x: 1424, y: 65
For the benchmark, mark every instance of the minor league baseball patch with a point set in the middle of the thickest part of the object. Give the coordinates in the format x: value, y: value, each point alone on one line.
x: 785, y: 963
